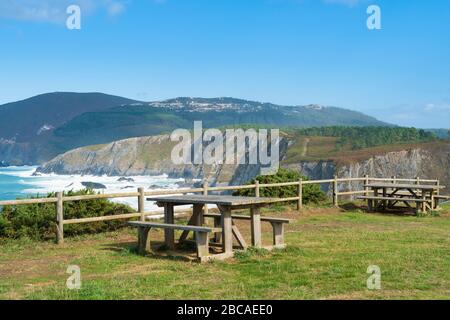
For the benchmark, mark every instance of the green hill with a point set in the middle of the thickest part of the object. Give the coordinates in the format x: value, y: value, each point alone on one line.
x: 27, y: 120
x: 162, y: 117
x: 37, y: 129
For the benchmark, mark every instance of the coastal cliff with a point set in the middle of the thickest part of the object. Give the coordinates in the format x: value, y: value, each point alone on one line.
x: 428, y: 162
x: 146, y: 156
x: 151, y: 156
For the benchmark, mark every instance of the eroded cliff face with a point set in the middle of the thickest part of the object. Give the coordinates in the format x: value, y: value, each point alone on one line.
x: 428, y: 163
x: 135, y: 156
x: 147, y: 156
x: 403, y: 164
x: 315, y: 170
x: 433, y: 163
x: 151, y: 156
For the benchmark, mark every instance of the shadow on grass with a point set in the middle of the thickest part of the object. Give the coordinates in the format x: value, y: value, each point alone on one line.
x: 123, y: 247
x: 185, y: 251
x: 349, y: 206
x: 399, y: 212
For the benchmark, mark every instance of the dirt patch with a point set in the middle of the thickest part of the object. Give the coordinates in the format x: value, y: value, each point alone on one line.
x: 31, y: 267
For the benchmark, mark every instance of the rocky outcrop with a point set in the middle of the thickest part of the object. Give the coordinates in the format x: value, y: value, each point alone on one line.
x: 4, y: 164
x: 93, y: 185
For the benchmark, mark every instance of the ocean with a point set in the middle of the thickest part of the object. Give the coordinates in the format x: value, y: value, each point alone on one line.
x: 19, y: 182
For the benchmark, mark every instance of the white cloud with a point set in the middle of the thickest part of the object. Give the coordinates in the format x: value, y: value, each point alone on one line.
x: 54, y: 11
x: 115, y: 8
x: 437, y: 107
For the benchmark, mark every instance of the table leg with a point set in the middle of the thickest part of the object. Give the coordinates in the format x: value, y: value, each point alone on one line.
x: 418, y: 207
x: 237, y: 234
x: 169, y: 235
x: 197, y: 211
x: 370, y: 204
x: 227, y: 230
x: 390, y: 204
x: 256, y: 227
x: 424, y: 196
x: 375, y: 202
x: 217, y: 224
x: 433, y: 200
x: 195, y: 220
x: 144, y: 240
x: 425, y: 204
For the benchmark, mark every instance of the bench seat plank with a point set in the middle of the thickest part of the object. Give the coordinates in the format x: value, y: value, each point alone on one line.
x: 392, y: 199
x: 172, y: 226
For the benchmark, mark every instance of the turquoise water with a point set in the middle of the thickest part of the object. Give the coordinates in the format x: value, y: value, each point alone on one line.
x: 14, y: 182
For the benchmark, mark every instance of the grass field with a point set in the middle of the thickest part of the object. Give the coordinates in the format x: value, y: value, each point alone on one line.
x: 329, y: 251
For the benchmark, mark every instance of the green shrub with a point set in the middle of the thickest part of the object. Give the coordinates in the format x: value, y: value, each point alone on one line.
x: 38, y: 221
x: 311, y: 192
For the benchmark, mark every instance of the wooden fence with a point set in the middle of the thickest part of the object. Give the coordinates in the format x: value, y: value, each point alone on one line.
x: 141, y: 194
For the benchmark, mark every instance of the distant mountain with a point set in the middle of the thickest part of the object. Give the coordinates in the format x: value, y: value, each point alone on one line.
x: 24, y: 121
x: 37, y: 129
x: 161, y: 117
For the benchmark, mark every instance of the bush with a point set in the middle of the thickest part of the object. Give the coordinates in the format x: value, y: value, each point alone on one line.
x: 38, y: 221
x: 311, y: 192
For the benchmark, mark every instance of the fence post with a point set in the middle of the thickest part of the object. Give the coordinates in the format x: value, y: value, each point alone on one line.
x: 141, y: 201
x: 256, y: 188
x: 417, y: 180
x: 394, y: 179
x: 366, y: 182
x: 335, y: 192
x: 59, y: 218
x: 300, y: 195
x: 205, y: 193
x: 434, y: 200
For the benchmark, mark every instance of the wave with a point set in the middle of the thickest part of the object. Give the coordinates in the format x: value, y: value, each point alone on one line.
x: 45, y: 183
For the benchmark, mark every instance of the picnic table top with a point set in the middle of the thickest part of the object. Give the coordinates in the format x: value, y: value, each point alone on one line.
x: 213, y: 199
x: 403, y: 186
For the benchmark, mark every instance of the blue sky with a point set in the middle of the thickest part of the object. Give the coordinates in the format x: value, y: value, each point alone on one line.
x: 282, y: 51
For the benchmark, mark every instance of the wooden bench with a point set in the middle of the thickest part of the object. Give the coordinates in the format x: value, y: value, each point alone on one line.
x: 201, y: 236
x: 393, y: 200
x: 277, y: 227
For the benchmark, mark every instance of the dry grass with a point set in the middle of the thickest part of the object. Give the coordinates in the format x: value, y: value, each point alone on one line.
x: 324, y: 148
x: 327, y: 257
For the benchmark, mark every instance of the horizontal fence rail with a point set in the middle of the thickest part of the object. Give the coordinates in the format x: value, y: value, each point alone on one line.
x: 141, y: 194
x: 28, y: 201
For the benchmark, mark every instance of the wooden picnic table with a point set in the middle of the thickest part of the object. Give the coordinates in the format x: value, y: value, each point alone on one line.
x: 225, y: 204
x: 387, y: 195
